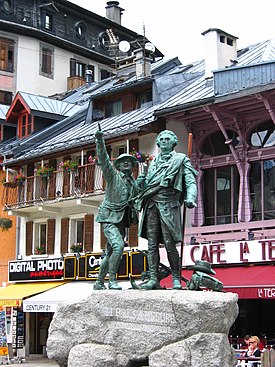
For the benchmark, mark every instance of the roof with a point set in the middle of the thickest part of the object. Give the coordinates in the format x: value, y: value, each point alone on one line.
x: 176, y: 86
x: 3, y: 111
x: 40, y: 104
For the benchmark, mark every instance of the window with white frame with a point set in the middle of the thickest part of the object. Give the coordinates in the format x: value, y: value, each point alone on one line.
x: 40, y: 238
x: 77, y: 231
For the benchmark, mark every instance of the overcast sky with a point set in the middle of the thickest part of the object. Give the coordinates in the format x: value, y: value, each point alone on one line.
x: 175, y: 26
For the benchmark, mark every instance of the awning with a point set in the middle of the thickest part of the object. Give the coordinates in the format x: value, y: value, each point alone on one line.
x: 48, y: 301
x: 12, y: 295
x: 249, y: 282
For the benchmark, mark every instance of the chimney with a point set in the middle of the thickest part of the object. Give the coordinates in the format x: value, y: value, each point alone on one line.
x: 220, y: 50
x: 143, y: 63
x: 113, y: 11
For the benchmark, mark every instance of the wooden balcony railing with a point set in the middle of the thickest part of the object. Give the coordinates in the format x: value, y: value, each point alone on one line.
x: 87, y: 180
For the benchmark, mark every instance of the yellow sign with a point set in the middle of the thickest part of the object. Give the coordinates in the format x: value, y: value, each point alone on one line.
x: 4, y: 351
x: 10, y: 302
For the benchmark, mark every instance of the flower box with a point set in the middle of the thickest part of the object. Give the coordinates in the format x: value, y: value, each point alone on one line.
x: 69, y: 166
x: 44, y: 171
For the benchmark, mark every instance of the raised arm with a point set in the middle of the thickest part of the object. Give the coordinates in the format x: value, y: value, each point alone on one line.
x: 103, y: 158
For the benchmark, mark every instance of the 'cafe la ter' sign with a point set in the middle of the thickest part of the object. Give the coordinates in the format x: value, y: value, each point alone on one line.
x: 230, y: 252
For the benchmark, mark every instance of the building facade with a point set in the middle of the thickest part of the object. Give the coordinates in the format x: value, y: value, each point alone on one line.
x: 225, y: 101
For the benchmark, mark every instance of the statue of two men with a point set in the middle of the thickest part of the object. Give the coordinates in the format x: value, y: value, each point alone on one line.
x: 169, y: 183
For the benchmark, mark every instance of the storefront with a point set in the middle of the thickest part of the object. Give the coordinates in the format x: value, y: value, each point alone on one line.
x: 40, y: 285
x: 248, y: 269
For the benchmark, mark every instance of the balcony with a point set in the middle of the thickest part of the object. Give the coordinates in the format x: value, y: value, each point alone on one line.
x: 59, y: 187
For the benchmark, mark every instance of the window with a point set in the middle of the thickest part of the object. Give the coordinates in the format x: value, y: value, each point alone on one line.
x: 48, y: 21
x: 263, y: 136
x: 25, y: 125
x: 5, y: 97
x: 80, y: 29
x: 144, y: 99
x: 214, y: 144
x: 77, y: 231
x: 262, y: 189
x: 46, y: 61
x: 6, y: 54
x: 113, y: 108
x: 40, y: 238
x: 78, y: 68
x: 221, y: 193
x: 104, y: 74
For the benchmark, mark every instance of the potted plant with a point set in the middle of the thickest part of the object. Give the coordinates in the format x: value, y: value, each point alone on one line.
x: 76, y: 247
x: 92, y: 159
x: 44, y: 171
x: 19, y: 179
x: 69, y: 166
x: 40, y: 250
x: 5, y: 224
x: 9, y: 183
x: 141, y: 157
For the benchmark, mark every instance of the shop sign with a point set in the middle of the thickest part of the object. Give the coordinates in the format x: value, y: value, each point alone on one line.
x: 266, y: 293
x: 38, y: 269
x: 241, y: 252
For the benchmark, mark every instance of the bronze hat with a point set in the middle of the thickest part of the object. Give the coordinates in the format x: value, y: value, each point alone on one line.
x: 203, y: 266
x: 125, y: 156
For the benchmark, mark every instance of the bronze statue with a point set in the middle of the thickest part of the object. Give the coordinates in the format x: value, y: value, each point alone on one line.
x: 115, y: 213
x: 170, y: 182
x: 202, y: 278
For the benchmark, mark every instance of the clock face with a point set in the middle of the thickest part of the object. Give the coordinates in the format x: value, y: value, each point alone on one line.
x: 124, y: 46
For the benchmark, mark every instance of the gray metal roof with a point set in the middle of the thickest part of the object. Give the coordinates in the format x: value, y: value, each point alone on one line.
x: 84, y: 133
x: 3, y: 111
x: 193, y: 88
x: 49, y: 105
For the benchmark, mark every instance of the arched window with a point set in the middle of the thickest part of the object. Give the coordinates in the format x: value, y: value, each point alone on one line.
x: 215, y: 145
x: 263, y: 136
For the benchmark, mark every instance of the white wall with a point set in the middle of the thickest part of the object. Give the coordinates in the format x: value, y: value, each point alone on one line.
x: 28, y: 78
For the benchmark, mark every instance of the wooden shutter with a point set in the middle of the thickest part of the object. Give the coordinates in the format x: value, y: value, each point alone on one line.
x: 133, y: 236
x: 64, y: 235
x: 89, y: 232
x: 50, y: 236
x: 29, y: 237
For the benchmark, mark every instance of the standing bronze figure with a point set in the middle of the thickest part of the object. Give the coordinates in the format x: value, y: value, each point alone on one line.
x: 170, y: 182
x: 116, y: 213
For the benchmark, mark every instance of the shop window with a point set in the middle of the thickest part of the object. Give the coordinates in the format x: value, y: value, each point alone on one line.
x: 6, y: 54
x: 221, y: 193
x: 46, y: 61
x: 144, y: 99
x: 113, y: 108
x: 214, y: 144
x: 262, y: 189
x: 25, y: 125
x: 263, y: 136
x: 5, y: 97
